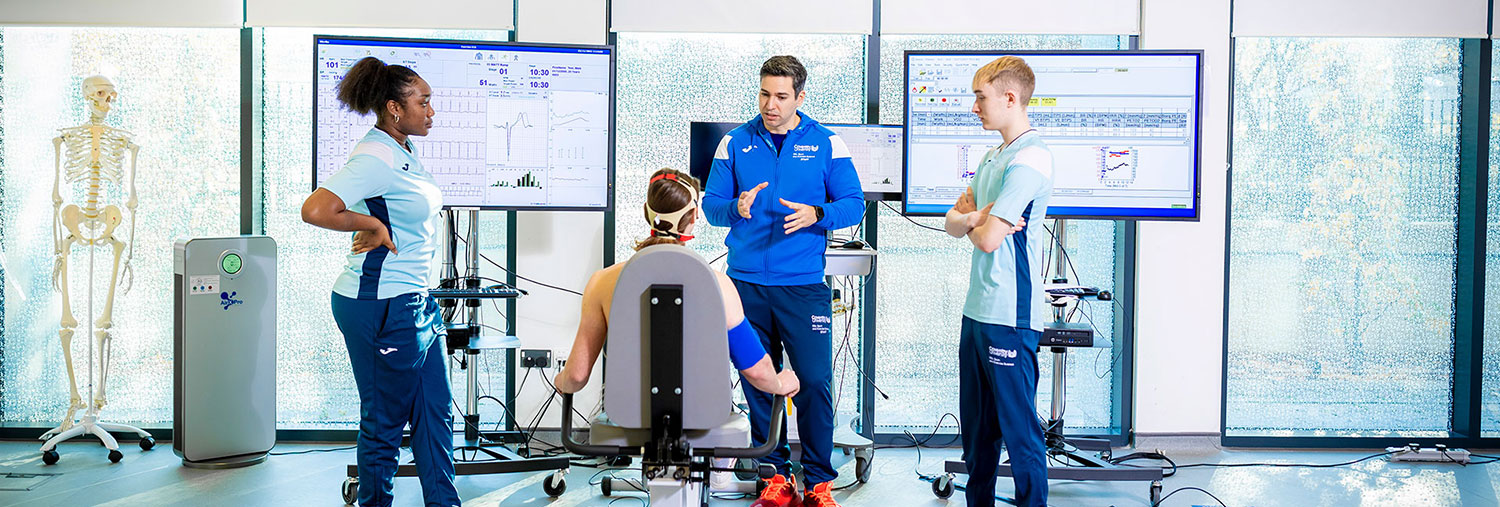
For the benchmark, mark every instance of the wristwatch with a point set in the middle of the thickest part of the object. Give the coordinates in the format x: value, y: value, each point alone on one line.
x: 820, y: 212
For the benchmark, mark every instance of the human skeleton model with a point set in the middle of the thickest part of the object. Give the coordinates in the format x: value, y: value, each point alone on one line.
x: 90, y: 155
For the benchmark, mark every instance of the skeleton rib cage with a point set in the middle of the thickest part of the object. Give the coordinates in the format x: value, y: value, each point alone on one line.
x: 98, y: 159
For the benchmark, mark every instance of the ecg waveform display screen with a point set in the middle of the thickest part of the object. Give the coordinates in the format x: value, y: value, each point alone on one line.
x: 1123, y: 128
x: 876, y: 153
x: 516, y: 126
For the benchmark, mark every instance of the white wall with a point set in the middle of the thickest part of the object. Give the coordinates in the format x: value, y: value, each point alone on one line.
x: 1361, y: 18
x: 1180, y: 266
x: 1068, y: 17
x: 558, y: 248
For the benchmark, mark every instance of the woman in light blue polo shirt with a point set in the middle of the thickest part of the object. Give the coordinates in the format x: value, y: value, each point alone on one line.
x: 391, y: 327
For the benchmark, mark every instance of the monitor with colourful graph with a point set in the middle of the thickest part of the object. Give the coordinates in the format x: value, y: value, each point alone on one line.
x: 1123, y: 128
x: 517, y: 126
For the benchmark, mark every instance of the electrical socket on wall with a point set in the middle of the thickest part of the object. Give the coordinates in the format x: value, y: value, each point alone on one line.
x: 536, y: 358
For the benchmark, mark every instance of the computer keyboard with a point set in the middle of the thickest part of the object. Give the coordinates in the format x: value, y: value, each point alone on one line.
x: 495, y: 292
x: 1071, y: 290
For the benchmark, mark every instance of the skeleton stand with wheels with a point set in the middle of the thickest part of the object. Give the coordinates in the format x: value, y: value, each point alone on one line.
x: 91, y: 155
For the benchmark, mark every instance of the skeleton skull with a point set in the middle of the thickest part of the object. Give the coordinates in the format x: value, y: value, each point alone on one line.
x: 100, y: 92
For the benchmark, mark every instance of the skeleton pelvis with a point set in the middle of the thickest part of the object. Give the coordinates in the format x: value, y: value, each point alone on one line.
x: 91, y: 229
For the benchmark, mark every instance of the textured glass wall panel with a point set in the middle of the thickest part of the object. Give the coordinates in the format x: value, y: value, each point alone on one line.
x: 1342, y: 235
x: 924, y: 277
x: 315, y: 383
x: 179, y: 96
x: 5, y: 288
x: 666, y: 81
x: 1490, y: 425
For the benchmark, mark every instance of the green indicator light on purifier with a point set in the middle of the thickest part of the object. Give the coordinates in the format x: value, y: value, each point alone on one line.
x: 231, y: 263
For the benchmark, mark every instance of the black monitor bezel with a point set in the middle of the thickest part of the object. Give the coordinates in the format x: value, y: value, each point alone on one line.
x: 613, y: 130
x: 1197, y: 120
x: 868, y: 196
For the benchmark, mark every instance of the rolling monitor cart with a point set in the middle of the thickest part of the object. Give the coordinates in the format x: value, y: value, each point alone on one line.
x: 475, y: 452
x: 224, y: 351
x: 1123, y: 128
x: 516, y: 127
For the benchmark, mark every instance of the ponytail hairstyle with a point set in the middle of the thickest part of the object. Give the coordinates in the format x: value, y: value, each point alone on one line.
x: 370, y: 83
x: 671, y: 202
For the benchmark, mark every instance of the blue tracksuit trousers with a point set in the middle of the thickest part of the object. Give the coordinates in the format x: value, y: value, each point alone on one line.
x: 799, y: 320
x: 396, y: 349
x: 997, y: 375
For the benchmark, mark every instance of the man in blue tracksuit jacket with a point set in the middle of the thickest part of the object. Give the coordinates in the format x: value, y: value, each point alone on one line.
x: 780, y: 182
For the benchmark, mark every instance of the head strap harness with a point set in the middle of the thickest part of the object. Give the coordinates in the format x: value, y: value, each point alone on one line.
x: 674, y: 219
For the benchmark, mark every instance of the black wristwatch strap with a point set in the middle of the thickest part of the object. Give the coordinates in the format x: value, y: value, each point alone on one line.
x: 820, y: 212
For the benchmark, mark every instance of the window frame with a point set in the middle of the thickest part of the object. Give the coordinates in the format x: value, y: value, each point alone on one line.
x: 1465, y: 424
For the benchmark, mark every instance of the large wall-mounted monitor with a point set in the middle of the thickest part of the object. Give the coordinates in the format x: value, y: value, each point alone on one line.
x: 1123, y: 127
x: 517, y: 126
x: 875, y: 151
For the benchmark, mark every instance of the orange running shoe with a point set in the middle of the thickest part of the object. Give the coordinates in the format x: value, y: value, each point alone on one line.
x: 820, y: 496
x: 780, y: 492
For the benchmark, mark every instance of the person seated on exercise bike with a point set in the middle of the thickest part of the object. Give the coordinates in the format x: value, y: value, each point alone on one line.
x: 672, y: 209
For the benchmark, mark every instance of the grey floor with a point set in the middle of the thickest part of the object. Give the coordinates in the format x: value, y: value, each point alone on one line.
x: 156, y: 478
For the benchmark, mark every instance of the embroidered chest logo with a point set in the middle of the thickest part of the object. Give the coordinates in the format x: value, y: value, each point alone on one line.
x: 804, y: 152
x: 405, y: 167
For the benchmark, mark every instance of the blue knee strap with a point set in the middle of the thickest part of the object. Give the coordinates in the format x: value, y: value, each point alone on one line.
x: 744, y: 346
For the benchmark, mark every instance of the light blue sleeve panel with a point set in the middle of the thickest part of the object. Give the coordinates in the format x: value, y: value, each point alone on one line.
x: 368, y: 173
x: 1026, y: 177
x: 720, y: 197
x: 744, y: 346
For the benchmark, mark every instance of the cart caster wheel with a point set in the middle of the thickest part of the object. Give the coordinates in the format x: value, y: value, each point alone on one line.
x: 554, y: 485
x: 115, y: 455
x: 50, y: 457
x: 1155, y: 492
x: 147, y: 443
x: 943, y: 486
x: 606, y: 487
x: 350, y: 490
x: 862, y: 466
